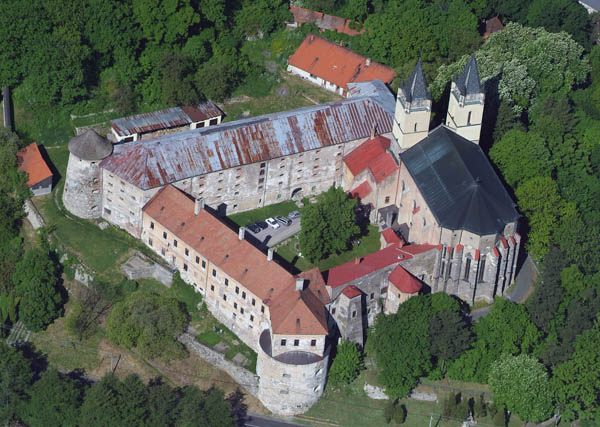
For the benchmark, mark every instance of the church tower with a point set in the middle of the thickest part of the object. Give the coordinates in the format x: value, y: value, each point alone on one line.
x: 465, y: 108
x: 413, y: 110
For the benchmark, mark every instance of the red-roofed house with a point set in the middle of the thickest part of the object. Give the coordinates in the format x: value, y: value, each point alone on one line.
x: 39, y: 177
x: 402, y: 286
x: 332, y: 66
x: 390, y: 237
x: 372, y: 166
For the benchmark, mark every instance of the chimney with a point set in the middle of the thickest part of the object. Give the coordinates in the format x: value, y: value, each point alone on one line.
x: 269, y: 254
x: 299, y: 284
x: 373, y: 130
x: 198, y: 205
x: 241, y: 233
x: 368, y: 61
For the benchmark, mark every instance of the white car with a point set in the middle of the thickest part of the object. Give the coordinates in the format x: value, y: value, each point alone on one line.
x: 272, y: 223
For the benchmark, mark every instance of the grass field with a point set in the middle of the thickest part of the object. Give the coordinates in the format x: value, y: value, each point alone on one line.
x: 368, y: 244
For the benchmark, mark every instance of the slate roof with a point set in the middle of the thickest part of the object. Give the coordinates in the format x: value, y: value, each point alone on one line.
x: 30, y: 160
x: 169, y: 158
x: 415, y: 89
x: 459, y: 184
x: 90, y: 146
x: 291, y: 311
x: 165, y: 119
x: 337, y: 64
x: 468, y: 82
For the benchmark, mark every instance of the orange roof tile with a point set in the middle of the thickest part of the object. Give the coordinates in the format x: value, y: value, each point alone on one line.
x: 404, y: 281
x: 492, y: 25
x: 390, y: 236
x: 372, y: 154
x: 316, y: 284
x: 351, y: 291
x: 298, y: 313
x: 362, y: 191
x: 30, y: 160
x: 337, y: 64
x: 323, y: 21
x: 237, y: 258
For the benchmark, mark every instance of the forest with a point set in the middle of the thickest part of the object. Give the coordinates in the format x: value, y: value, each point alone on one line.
x: 541, y: 132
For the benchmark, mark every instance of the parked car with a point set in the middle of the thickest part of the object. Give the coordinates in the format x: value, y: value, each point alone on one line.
x: 283, y: 220
x: 263, y: 225
x: 253, y: 228
x: 294, y: 214
x: 272, y: 223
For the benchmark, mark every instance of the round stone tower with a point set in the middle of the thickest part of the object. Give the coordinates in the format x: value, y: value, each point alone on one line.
x: 291, y: 382
x: 82, y: 195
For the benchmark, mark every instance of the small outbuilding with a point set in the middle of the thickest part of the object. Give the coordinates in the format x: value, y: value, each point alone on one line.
x: 39, y: 176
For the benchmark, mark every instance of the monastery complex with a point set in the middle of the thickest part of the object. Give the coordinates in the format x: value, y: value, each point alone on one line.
x: 448, y: 224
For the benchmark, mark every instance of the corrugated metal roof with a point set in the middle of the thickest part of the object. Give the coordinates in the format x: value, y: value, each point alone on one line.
x: 376, y: 89
x: 164, y: 119
x: 173, y: 157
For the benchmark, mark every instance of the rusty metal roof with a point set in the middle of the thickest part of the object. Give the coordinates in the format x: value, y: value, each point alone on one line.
x: 164, y: 119
x: 169, y: 158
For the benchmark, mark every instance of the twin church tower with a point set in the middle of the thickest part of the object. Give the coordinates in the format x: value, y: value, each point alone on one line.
x: 413, y: 107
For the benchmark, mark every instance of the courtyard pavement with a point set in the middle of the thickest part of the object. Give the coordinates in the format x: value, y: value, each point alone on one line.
x: 270, y: 236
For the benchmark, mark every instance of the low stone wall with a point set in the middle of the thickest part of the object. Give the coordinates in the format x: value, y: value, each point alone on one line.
x: 242, y: 376
x: 33, y: 215
x: 139, y: 267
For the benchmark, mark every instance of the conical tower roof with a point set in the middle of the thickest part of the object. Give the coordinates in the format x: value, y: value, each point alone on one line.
x: 415, y: 88
x: 90, y: 146
x: 468, y: 82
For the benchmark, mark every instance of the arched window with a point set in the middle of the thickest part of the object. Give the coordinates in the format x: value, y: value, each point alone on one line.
x: 481, y: 268
x: 467, y: 267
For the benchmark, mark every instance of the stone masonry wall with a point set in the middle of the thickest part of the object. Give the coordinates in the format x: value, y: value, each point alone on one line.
x: 82, y: 194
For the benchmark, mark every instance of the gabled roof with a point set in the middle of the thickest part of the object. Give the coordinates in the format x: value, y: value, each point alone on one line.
x: 90, y: 146
x: 298, y: 313
x: 165, y: 119
x: 362, y: 191
x: 316, y: 284
x: 323, y: 21
x: 459, y: 184
x: 404, y: 281
x: 468, y: 82
x: 240, y: 260
x: 159, y: 161
x: 372, y: 154
x: 336, y: 64
x: 415, y: 89
x: 30, y: 160
x: 390, y: 236
x: 372, y: 262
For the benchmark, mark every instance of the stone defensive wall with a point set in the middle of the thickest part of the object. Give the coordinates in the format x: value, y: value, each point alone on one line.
x: 289, y: 383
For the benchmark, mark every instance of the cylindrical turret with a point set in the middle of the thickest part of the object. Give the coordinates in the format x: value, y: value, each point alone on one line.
x: 82, y: 194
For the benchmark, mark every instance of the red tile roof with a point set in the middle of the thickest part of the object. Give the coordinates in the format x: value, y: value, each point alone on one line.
x: 336, y: 64
x: 372, y: 262
x: 372, y: 154
x: 390, y: 236
x: 362, y: 191
x: 30, y: 160
x: 316, y: 284
x: 351, y: 291
x: 239, y: 259
x: 504, y: 242
x: 324, y: 22
x: 404, y: 281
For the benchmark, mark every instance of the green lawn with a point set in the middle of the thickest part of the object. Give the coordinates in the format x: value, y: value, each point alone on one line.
x: 260, y: 214
x: 368, y: 244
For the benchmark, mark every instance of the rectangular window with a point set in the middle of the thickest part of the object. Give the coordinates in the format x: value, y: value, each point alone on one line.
x: 212, y: 287
x: 262, y: 308
x: 152, y: 225
x: 175, y: 242
x: 283, y: 342
x: 251, y: 318
x: 237, y: 290
x: 387, y: 199
x: 197, y: 260
x: 467, y: 269
x: 261, y: 180
x: 244, y: 295
x: 242, y: 310
x: 296, y: 343
x: 333, y: 310
x: 481, y: 269
x: 187, y: 251
x: 164, y: 234
x: 185, y: 267
x: 150, y: 242
x: 226, y: 282
x: 203, y: 264
x: 224, y: 297
x: 313, y: 343
x: 372, y: 295
x: 262, y: 165
x: 253, y: 301
x: 214, y: 272
x: 354, y: 313
x: 235, y: 305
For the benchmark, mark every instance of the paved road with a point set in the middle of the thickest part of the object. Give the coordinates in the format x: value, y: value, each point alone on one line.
x: 522, y: 289
x: 271, y: 236
x: 254, y: 420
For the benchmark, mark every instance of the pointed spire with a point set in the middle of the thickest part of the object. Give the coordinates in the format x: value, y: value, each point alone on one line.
x: 415, y: 88
x: 468, y: 82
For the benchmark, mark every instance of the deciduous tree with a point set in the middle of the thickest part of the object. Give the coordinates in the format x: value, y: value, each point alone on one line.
x: 346, y: 364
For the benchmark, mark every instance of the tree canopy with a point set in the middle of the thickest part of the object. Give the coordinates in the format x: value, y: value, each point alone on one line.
x: 346, y: 365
